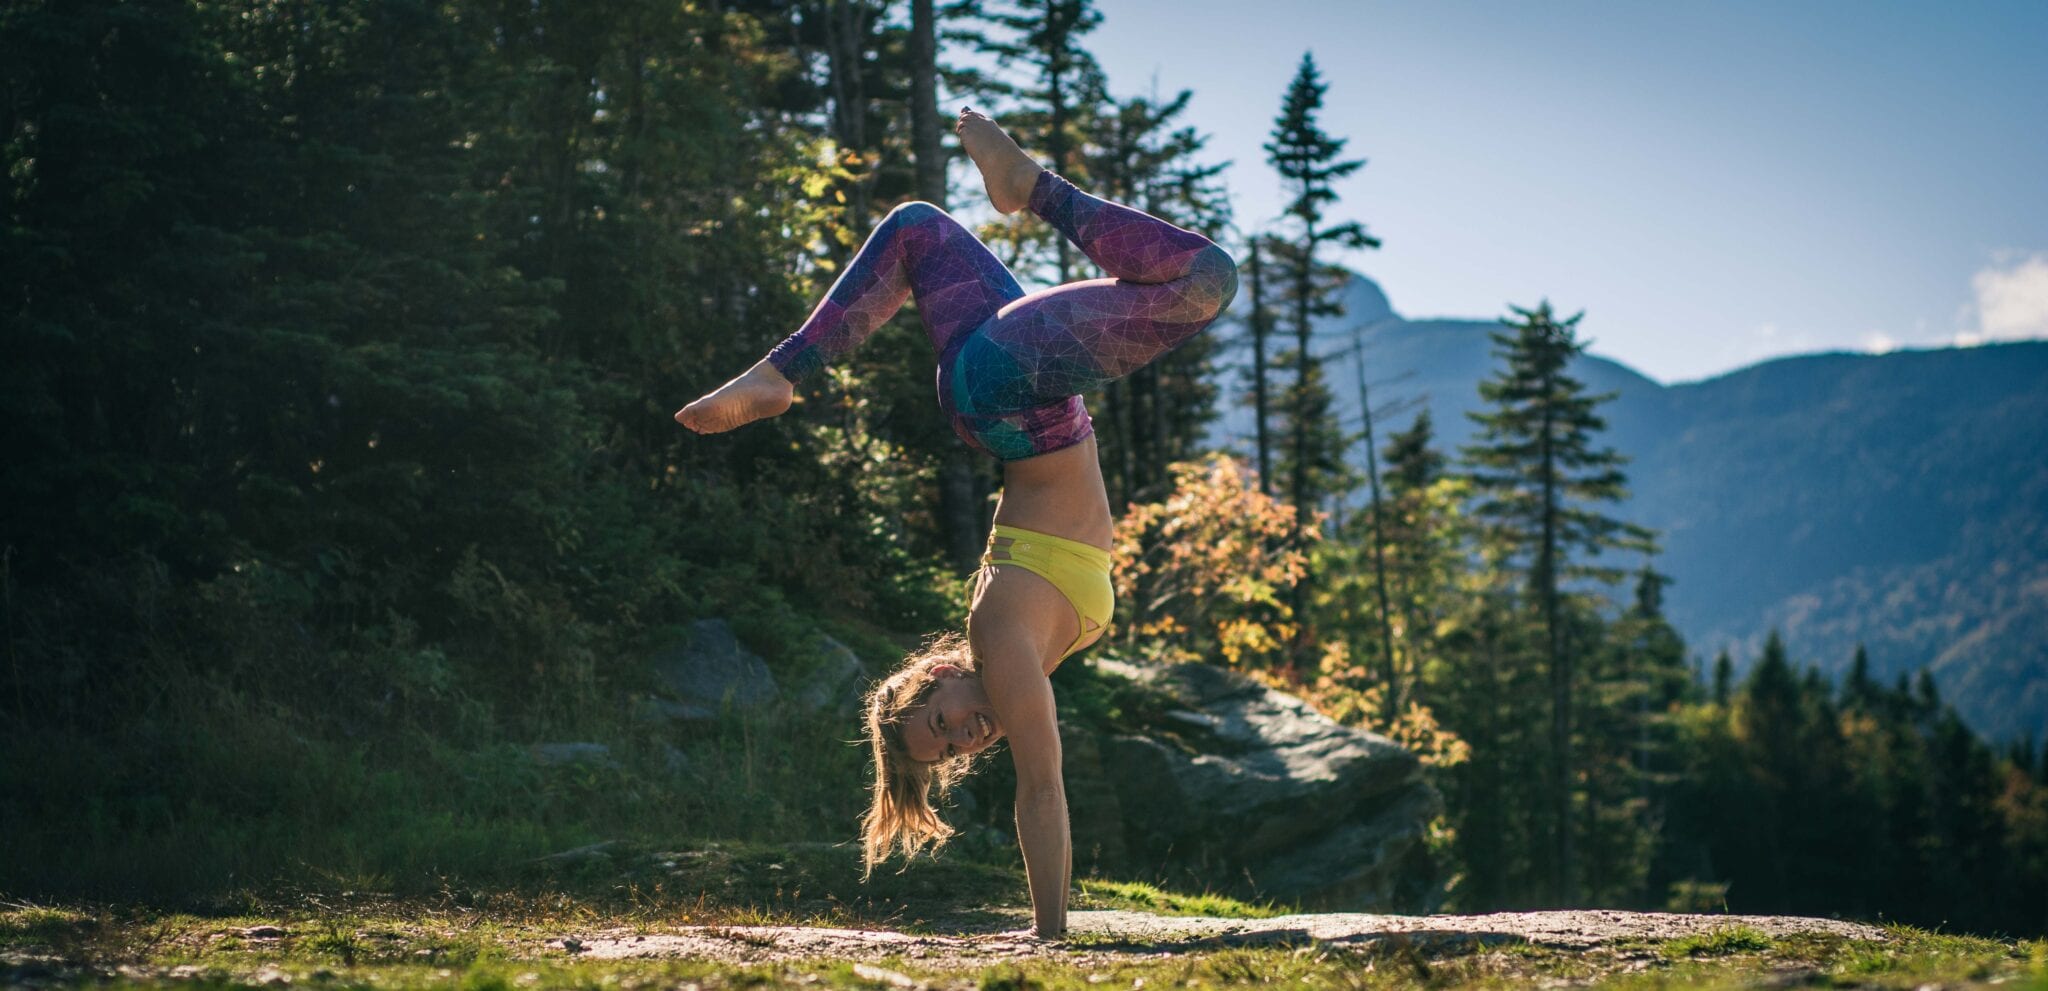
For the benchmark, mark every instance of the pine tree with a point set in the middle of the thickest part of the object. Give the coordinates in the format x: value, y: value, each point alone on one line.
x: 1307, y: 159
x: 1413, y: 463
x: 1067, y: 85
x: 1485, y: 695
x: 1631, y: 748
x: 1418, y: 529
x: 1538, y: 476
x: 1859, y: 691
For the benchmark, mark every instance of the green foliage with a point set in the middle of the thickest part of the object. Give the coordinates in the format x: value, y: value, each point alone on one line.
x: 344, y: 469
x: 1535, y: 463
x: 1798, y: 796
x: 1307, y: 159
x: 1044, y: 35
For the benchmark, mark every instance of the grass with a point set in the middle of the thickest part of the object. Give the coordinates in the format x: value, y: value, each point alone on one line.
x: 330, y: 942
x: 1719, y: 942
x: 1139, y: 897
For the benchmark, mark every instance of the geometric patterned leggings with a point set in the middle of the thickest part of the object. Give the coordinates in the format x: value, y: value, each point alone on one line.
x: 1011, y: 366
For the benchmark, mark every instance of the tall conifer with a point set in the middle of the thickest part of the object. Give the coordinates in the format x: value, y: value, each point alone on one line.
x: 1308, y: 160
x: 1067, y: 83
x: 1539, y: 477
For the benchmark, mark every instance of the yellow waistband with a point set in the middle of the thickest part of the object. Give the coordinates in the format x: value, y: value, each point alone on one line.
x: 1016, y: 535
x: 1080, y: 571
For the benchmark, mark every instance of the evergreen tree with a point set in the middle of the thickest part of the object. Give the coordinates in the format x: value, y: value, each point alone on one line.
x: 1764, y: 727
x: 1630, y: 742
x: 1058, y: 106
x: 1539, y: 476
x: 1423, y: 540
x: 1308, y: 160
x: 871, y: 90
x: 1859, y: 692
x: 1413, y: 464
x: 1492, y: 700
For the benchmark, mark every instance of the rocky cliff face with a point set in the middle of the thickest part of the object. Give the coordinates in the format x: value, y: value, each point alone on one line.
x: 1238, y: 788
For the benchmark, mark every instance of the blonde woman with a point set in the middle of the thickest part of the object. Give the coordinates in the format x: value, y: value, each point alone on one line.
x: 1011, y: 370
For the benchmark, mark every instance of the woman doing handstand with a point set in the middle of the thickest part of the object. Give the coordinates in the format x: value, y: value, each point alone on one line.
x: 1011, y: 370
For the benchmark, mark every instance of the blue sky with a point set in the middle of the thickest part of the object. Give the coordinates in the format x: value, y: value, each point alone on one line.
x: 1713, y: 183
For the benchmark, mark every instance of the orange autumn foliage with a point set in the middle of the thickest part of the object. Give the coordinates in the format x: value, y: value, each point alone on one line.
x: 1205, y: 572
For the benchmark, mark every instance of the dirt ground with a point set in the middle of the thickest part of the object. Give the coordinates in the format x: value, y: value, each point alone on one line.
x: 1139, y: 934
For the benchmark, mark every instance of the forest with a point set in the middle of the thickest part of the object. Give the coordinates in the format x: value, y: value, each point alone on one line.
x: 343, y: 340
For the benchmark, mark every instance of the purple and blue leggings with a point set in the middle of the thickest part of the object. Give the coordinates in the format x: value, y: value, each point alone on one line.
x: 1012, y: 366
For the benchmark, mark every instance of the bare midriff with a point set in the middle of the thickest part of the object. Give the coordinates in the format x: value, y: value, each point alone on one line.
x: 1059, y: 493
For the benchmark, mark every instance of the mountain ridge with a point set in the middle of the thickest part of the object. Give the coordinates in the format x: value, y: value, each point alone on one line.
x: 1892, y: 500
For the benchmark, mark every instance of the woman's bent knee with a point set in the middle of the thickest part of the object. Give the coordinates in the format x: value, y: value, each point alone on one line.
x: 1212, y: 280
x: 916, y: 212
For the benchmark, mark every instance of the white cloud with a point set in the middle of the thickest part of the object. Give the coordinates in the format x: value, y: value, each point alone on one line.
x: 1879, y: 342
x: 2012, y: 301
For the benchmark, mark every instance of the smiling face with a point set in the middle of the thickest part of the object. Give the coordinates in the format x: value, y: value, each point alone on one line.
x: 955, y: 720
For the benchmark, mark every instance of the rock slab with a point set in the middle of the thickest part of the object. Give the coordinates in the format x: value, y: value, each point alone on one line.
x: 1251, y: 789
x: 708, y: 671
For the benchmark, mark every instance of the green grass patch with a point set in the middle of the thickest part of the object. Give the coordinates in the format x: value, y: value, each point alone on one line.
x: 1719, y: 942
x: 37, y: 926
x: 1137, y: 896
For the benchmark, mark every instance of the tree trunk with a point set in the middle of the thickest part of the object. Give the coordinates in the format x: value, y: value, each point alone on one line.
x: 1123, y: 463
x: 1303, y: 285
x: 1157, y: 450
x: 1056, y: 149
x: 1391, y: 707
x: 1562, y: 868
x: 925, y: 128
x: 959, y: 497
x: 1259, y: 397
x: 846, y: 34
x: 1304, y: 500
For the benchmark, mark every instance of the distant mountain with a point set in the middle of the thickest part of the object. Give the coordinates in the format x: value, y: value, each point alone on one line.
x: 1898, y: 500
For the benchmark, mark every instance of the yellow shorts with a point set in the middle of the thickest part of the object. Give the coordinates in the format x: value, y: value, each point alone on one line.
x: 1080, y: 571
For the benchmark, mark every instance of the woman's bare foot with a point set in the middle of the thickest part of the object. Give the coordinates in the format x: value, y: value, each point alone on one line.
x: 760, y: 393
x: 1008, y: 173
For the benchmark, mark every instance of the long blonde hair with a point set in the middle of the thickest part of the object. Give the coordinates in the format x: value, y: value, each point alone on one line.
x: 900, y: 816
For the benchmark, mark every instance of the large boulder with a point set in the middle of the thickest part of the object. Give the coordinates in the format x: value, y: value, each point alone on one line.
x: 708, y: 671
x: 1241, y: 788
x: 838, y: 681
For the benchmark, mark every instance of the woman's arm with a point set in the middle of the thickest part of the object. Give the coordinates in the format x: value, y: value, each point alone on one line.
x: 1042, y: 830
x: 1017, y: 619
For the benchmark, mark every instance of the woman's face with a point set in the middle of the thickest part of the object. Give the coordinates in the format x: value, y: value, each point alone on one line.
x: 955, y: 719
